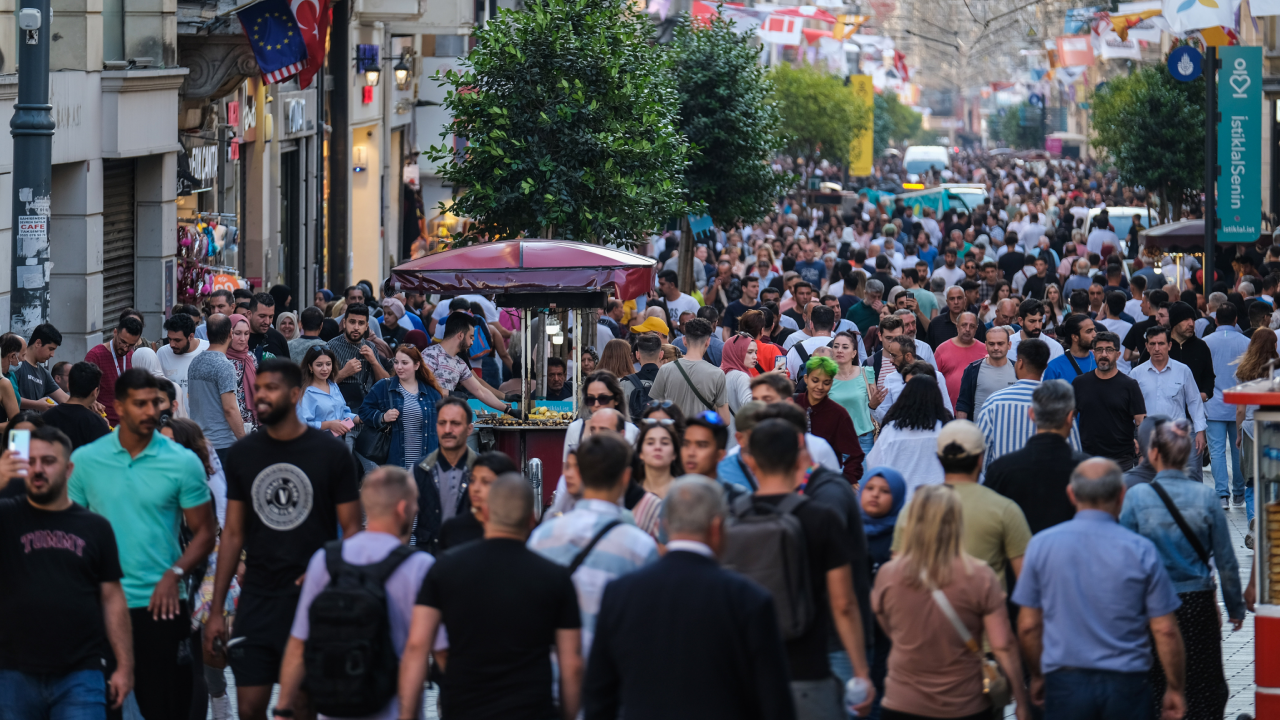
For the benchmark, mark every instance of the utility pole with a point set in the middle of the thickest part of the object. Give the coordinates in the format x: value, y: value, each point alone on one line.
x: 32, y: 129
x: 1210, y: 73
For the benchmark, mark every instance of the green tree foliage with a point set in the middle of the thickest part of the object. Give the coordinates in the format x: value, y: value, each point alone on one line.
x: 569, y: 111
x: 727, y: 116
x: 885, y: 128
x: 819, y: 113
x: 1152, y: 128
x: 906, y: 122
x: 1015, y: 134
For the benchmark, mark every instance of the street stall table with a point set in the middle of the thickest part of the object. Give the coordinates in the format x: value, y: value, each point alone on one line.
x: 1265, y: 394
x: 555, y: 284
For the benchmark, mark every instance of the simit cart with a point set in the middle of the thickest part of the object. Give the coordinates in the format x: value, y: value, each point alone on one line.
x: 555, y: 285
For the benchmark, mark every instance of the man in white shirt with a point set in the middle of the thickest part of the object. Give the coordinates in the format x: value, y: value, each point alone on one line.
x: 677, y: 302
x: 1031, y: 318
x: 1169, y: 389
x: 175, y: 358
x: 899, y: 351
x: 909, y: 325
x: 1100, y: 235
x: 949, y: 271
x: 1029, y: 238
x: 821, y: 321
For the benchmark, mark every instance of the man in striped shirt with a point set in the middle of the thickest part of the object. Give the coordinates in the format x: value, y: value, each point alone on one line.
x: 1004, y: 418
x: 604, y: 465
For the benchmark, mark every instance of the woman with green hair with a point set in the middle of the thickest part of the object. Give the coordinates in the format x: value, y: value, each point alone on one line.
x: 827, y: 419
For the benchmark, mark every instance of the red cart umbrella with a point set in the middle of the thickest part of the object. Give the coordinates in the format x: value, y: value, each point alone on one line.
x: 528, y: 266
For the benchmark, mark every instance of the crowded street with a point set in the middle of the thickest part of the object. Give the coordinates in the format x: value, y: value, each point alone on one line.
x: 640, y: 360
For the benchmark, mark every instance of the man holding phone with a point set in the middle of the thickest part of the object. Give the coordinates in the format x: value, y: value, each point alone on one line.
x: 67, y: 611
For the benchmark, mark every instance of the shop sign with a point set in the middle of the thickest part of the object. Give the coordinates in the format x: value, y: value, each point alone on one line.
x: 1240, y: 144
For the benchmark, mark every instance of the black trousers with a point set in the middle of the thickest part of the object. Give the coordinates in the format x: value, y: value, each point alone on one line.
x: 162, y: 664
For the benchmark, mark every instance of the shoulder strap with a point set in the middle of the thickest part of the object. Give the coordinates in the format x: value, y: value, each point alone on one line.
x: 1182, y: 522
x: 747, y: 474
x: 379, y: 572
x: 940, y: 599
x: 582, y: 554
x: 1074, y: 364
x: 691, y: 386
x: 333, y: 561
x: 804, y: 354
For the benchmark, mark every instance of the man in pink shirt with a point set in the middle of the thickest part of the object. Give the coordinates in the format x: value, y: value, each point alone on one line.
x: 954, y: 355
x: 113, y: 358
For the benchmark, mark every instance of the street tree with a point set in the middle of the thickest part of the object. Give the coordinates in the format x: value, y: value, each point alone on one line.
x: 569, y: 112
x: 819, y: 113
x: 730, y: 121
x: 1151, y: 127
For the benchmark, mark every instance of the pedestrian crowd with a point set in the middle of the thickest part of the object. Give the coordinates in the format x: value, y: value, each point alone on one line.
x: 865, y: 463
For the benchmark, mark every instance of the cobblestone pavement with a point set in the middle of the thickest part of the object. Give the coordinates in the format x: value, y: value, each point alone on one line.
x: 1237, y: 647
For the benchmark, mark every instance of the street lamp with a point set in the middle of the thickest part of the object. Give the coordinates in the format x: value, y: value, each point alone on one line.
x: 367, y: 63
x: 402, y: 72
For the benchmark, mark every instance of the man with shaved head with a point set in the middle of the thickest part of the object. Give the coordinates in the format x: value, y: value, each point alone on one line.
x: 987, y: 374
x: 958, y: 353
x: 390, y: 500
x: 947, y: 324
x: 504, y: 606
x: 1093, y: 595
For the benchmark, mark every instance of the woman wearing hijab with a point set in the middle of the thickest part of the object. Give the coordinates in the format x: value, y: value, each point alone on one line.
x: 881, y: 497
x: 737, y: 359
x: 246, y: 371
x: 287, y: 324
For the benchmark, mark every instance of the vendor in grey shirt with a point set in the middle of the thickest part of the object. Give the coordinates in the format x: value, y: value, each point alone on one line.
x: 986, y: 375
x: 211, y: 389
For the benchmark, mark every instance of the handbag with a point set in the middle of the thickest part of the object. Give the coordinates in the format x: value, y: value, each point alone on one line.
x: 994, y: 683
x: 374, y: 445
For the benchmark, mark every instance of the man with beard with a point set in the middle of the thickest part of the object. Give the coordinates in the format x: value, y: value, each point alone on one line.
x: 166, y: 484
x: 443, y: 476
x: 289, y: 487
x: 262, y: 337
x: 1109, y: 404
x: 63, y: 596
x: 358, y: 366
x: 1031, y: 318
x: 390, y: 500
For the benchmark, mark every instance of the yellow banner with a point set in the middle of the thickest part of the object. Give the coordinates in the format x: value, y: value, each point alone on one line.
x: 861, y: 151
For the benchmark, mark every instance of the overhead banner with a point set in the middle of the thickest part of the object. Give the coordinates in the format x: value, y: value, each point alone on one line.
x: 862, y: 150
x: 1240, y: 144
x: 1075, y: 51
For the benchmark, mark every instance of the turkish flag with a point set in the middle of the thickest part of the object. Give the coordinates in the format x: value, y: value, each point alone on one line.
x: 313, y: 20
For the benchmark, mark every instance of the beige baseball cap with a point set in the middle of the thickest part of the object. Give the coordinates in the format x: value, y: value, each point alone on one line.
x: 961, y: 438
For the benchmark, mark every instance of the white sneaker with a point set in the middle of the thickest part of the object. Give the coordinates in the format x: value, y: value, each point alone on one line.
x: 221, y: 707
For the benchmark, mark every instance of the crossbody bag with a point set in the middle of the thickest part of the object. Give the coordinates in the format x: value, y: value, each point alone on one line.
x: 1182, y: 523
x: 995, y: 685
x: 689, y: 382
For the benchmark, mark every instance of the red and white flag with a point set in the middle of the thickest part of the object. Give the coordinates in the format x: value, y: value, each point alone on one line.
x: 900, y: 64
x: 313, y: 20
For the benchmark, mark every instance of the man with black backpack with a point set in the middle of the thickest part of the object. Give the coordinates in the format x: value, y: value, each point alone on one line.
x: 796, y: 549
x: 648, y: 351
x: 377, y: 578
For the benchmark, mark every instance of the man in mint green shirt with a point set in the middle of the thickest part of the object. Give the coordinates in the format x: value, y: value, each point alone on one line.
x: 144, y: 484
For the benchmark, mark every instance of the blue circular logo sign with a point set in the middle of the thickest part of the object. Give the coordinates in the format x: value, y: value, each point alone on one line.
x: 1185, y: 63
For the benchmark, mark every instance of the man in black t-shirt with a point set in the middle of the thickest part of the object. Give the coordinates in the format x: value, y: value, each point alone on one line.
x: 263, y: 337
x: 750, y: 291
x: 65, y: 612
x: 506, y: 607
x: 76, y: 417
x: 289, y: 487
x: 35, y: 382
x: 774, y: 458
x: 1110, y: 405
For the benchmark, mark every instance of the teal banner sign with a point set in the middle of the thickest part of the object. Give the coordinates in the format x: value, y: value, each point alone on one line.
x: 1240, y: 144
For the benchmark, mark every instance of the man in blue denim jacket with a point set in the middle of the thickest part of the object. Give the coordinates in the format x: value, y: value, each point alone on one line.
x: 1146, y: 513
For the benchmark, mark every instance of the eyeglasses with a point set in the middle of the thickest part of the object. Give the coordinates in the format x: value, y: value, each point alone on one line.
x: 664, y: 422
x: 592, y: 400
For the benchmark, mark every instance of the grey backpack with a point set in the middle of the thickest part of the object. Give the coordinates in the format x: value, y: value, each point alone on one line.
x: 767, y: 544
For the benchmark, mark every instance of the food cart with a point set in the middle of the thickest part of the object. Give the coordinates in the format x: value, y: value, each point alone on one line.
x: 556, y: 285
x: 1265, y: 393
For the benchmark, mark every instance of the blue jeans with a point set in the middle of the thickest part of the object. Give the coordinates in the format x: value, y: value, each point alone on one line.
x: 866, y: 440
x: 1096, y: 695
x: 1222, y: 443
x: 80, y: 695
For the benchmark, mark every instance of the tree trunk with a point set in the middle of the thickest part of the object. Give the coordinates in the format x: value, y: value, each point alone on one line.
x: 686, y: 256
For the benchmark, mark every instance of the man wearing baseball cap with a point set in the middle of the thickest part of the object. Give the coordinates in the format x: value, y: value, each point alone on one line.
x: 653, y: 325
x: 995, y: 530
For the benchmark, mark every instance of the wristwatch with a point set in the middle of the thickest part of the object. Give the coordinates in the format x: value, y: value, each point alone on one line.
x: 177, y: 571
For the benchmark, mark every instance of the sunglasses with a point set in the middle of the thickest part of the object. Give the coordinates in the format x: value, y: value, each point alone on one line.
x: 602, y: 399
x: 660, y: 405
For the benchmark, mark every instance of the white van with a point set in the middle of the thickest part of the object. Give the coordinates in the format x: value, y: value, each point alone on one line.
x: 919, y: 159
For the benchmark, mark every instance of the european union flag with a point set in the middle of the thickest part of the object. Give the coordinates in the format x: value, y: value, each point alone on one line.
x: 277, y: 42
